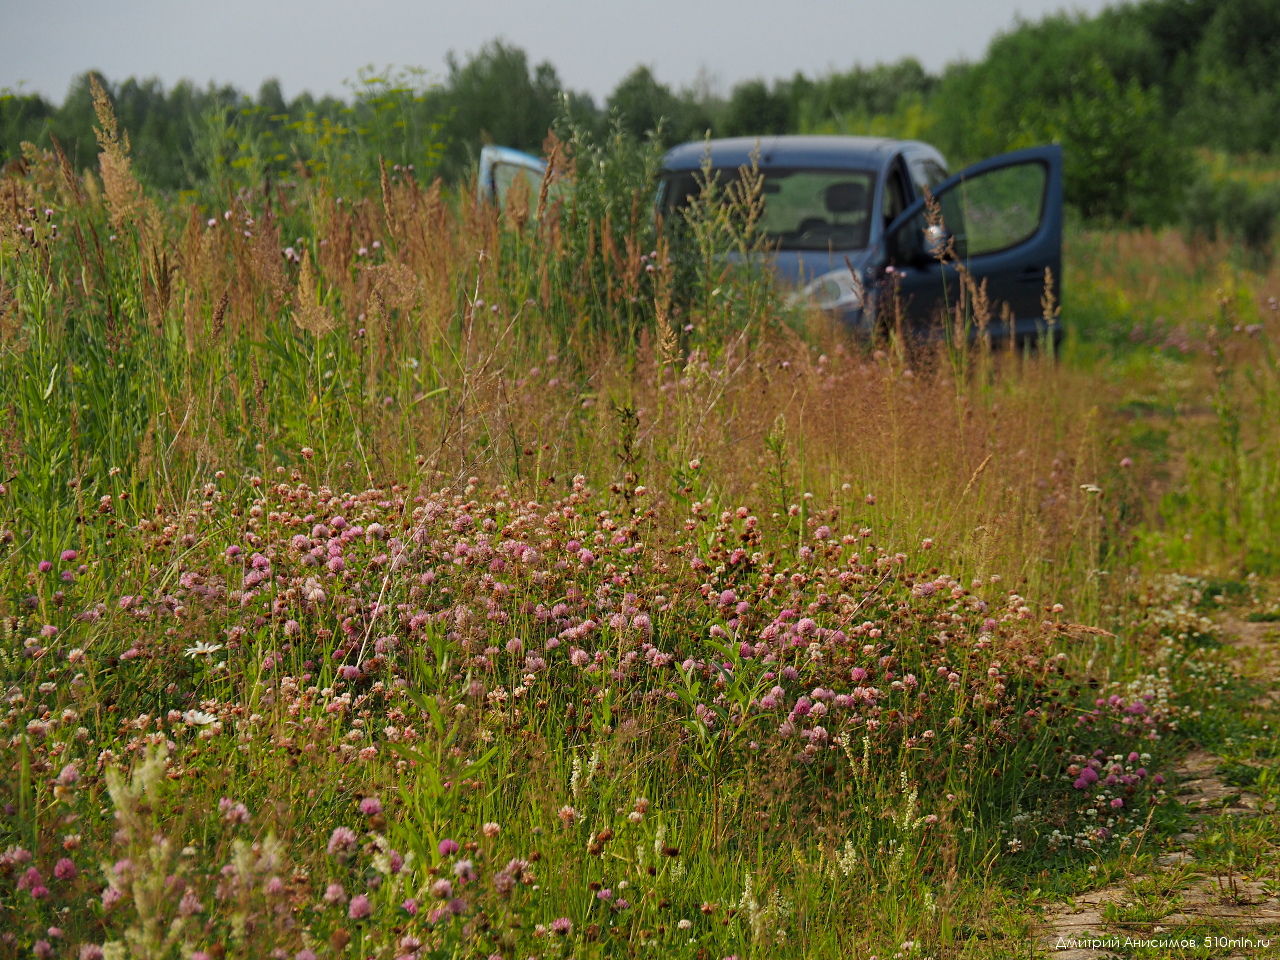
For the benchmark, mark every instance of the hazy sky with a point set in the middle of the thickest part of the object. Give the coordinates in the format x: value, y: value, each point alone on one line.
x: 317, y: 44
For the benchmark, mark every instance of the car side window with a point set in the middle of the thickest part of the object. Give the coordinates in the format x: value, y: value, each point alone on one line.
x: 987, y: 213
x: 995, y: 210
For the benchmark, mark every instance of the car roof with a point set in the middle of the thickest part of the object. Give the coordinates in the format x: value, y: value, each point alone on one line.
x: 786, y: 151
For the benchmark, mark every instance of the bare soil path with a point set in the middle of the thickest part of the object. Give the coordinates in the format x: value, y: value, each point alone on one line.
x: 1183, y: 898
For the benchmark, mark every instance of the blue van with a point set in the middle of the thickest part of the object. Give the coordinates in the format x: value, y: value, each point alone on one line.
x: 835, y: 202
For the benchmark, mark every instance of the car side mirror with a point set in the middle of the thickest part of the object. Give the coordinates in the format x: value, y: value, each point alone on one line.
x: 937, y: 241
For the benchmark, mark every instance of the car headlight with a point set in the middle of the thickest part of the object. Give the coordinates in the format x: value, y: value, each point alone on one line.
x: 837, y: 290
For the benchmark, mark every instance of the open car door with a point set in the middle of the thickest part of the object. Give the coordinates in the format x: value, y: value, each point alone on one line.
x: 1002, y: 220
x: 501, y: 167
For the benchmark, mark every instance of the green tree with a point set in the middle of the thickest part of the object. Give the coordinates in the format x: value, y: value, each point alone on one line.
x: 1234, y: 102
x: 755, y: 109
x: 494, y: 97
x: 643, y: 106
x: 1121, y: 160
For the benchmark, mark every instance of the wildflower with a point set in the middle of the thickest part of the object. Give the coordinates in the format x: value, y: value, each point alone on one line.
x: 199, y: 718
x: 457, y: 906
x: 335, y: 894
x: 44, y: 566
x: 562, y: 926
x: 342, y: 842
x: 371, y: 806
x: 30, y: 879
x: 69, y: 775
x: 410, y: 906
x: 69, y: 556
x: 65, y: 869
x: 190, y: 904
x: 359, y: 908
x: 203, y: 649
x: 442, y: 889
x: 491, y: 830
x: 447, y: 847
x: 464, y: 870
x: 567, y: 815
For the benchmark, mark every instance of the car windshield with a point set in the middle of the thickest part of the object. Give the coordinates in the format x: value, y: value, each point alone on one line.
x: 803, y: 209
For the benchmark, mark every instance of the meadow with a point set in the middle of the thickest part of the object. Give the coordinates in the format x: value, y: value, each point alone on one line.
x: 386, y: 575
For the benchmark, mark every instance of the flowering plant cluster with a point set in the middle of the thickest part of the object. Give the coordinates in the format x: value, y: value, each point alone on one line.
x: 383, y: 647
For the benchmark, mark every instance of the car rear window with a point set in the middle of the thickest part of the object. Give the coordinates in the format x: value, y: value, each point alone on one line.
x: 804, y: 209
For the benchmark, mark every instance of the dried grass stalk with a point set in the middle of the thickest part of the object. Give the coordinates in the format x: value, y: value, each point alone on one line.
x: 308, y: 312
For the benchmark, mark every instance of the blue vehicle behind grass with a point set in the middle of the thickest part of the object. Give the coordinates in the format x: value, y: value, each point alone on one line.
x: 877, y: 231
x: 849, y: 227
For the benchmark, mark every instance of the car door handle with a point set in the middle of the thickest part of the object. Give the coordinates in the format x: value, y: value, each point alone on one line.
x: 1032, y: 274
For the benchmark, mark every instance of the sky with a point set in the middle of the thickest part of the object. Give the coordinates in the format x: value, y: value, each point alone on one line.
x: 317, y: 45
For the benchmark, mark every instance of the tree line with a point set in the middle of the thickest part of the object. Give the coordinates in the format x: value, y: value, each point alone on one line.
x: 1132, y: 93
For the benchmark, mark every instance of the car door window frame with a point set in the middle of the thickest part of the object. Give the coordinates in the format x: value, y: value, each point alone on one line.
x: 895, y: 176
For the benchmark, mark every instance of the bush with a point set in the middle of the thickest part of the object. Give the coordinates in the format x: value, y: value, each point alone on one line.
x: 1233, y: 209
